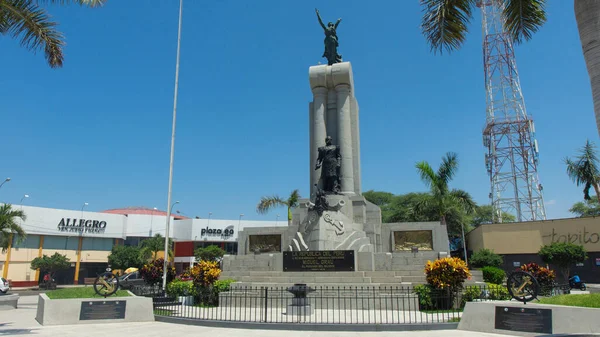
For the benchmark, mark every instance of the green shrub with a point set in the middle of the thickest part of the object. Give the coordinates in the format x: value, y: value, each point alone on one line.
x: 491, y: 291
x: 209, y: 295
x: 493, y: 275
x: 424, y: 293
x: 181, y: 288
x: 485, y: 258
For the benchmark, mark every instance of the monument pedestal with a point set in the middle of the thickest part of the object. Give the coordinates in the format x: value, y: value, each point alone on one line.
x: 531, y: 319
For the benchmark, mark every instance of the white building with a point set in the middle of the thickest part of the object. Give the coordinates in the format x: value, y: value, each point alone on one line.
x: 87, y: 238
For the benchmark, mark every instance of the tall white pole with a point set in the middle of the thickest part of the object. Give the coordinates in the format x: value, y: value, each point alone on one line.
x: 462, y: 227
x: 164, y: 285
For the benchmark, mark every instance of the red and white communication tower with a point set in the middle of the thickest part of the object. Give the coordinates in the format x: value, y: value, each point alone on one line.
x: 509, y: 134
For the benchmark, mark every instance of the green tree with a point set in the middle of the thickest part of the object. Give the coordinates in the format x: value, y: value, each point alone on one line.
x: 442, y: 201
x: 563, y: 255
x: 444, y: 25
x: 484, y: 214
x: 51, y: 264
x: 26, y: 20
x: 486, y: 258
x: 123, y: 257
x: 151, y: 246
x: 583, y: 170
x: 268, y: 203
x: 587, y: 208
x: 210, y: 253
x: 9, y: 226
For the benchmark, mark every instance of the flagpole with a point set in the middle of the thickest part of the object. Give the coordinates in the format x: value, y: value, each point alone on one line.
x: 166, y: 259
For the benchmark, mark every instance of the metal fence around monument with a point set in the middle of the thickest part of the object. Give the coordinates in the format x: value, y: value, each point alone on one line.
x: 326, y: 305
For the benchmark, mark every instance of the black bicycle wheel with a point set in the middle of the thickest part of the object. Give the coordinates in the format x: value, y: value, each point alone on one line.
x: 106, y: 284
x: 522, y: 286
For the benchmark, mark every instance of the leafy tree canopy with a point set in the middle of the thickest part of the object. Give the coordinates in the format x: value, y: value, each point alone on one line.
x: 563, y: 255
x: 210, y: 253
x: 52, y: 263
x: 587, y: 208
x: 123, y: 257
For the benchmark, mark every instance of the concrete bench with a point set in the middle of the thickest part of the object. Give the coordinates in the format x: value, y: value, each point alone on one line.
x: 9, y: 302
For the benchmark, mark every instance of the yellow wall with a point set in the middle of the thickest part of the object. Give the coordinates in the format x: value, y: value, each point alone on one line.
x: 528, y: 237
x: 20, y: 261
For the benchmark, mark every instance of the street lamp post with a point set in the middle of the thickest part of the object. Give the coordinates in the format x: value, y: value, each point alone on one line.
x: 277, y: 220
x: 164, y: 285
x: 152, y: 219
x: 82, y: 207
x: 5, y: 181
x: 239, y: 223
x: 21, y: 202
x: 462, y: 227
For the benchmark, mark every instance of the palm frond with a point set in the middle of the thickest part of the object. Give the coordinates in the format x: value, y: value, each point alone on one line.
x: 26, y: 20
x: 9, y: 226
x: 464, y: 199
x: 586, y: 191
x: 89, y: 3
x: 293, y: 199
x: 422, y: 206
x: 427, y: 174
x: 268, y: 203
x: 448, y: 168
x: 573, y: 171
x: 444, y: 23
x: 584, y: 169
x: 524, y: 18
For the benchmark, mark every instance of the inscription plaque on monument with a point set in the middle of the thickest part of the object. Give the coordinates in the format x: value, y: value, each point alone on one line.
x: 92, y: 310
x: 524, y: 319
x: 322, y: 260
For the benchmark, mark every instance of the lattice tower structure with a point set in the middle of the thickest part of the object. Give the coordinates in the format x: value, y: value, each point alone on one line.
x: 509, y: 134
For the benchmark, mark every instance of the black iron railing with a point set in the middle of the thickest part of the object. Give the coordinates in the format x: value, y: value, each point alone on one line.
x: 327, y: 305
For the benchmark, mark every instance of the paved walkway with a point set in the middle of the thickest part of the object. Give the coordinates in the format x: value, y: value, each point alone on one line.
x: 22, y: 322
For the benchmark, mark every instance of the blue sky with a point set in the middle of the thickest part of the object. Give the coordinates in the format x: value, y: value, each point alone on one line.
x: 98, y: 130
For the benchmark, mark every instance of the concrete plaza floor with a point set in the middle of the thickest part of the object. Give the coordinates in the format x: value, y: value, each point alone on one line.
x: 21, y: 322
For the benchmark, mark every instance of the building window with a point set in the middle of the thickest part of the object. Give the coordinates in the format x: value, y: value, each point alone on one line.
x: 99, y: 244
x: 30, y: 242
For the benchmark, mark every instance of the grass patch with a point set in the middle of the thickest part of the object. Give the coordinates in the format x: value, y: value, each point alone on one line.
x: 454, y: 320
x: 80, y: 292
x: 163, y: 312
x: 450, y: 311
x: 584, y: 300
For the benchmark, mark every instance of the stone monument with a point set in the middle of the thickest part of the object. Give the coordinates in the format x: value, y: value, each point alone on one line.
x: 336, y: 229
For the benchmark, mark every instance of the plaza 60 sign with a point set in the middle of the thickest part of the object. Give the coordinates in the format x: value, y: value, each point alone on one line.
x: 225, y: 233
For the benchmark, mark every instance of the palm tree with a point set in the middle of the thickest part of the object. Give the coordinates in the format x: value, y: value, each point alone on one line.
x: 444, y: 25
x: 443, y: 201
x: 27, y: 20
x: 584, y: 170
x: 151, y: 246
x: 268, y: 203
x: 9, y: 226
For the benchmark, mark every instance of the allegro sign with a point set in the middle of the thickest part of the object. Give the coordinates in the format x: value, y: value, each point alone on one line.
x: 82, y: 226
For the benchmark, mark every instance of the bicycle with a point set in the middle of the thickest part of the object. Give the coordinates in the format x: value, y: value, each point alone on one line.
x: 106, y: 284
x: 522, y: 286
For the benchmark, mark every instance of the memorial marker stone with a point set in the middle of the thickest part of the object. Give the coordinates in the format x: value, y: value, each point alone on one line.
x: 92, y: 310
x: 524, y: 319
x: 324, y: 260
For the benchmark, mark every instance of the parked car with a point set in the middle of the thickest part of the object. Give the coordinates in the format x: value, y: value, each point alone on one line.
x: 130, y: 279
x: 4, y: 286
